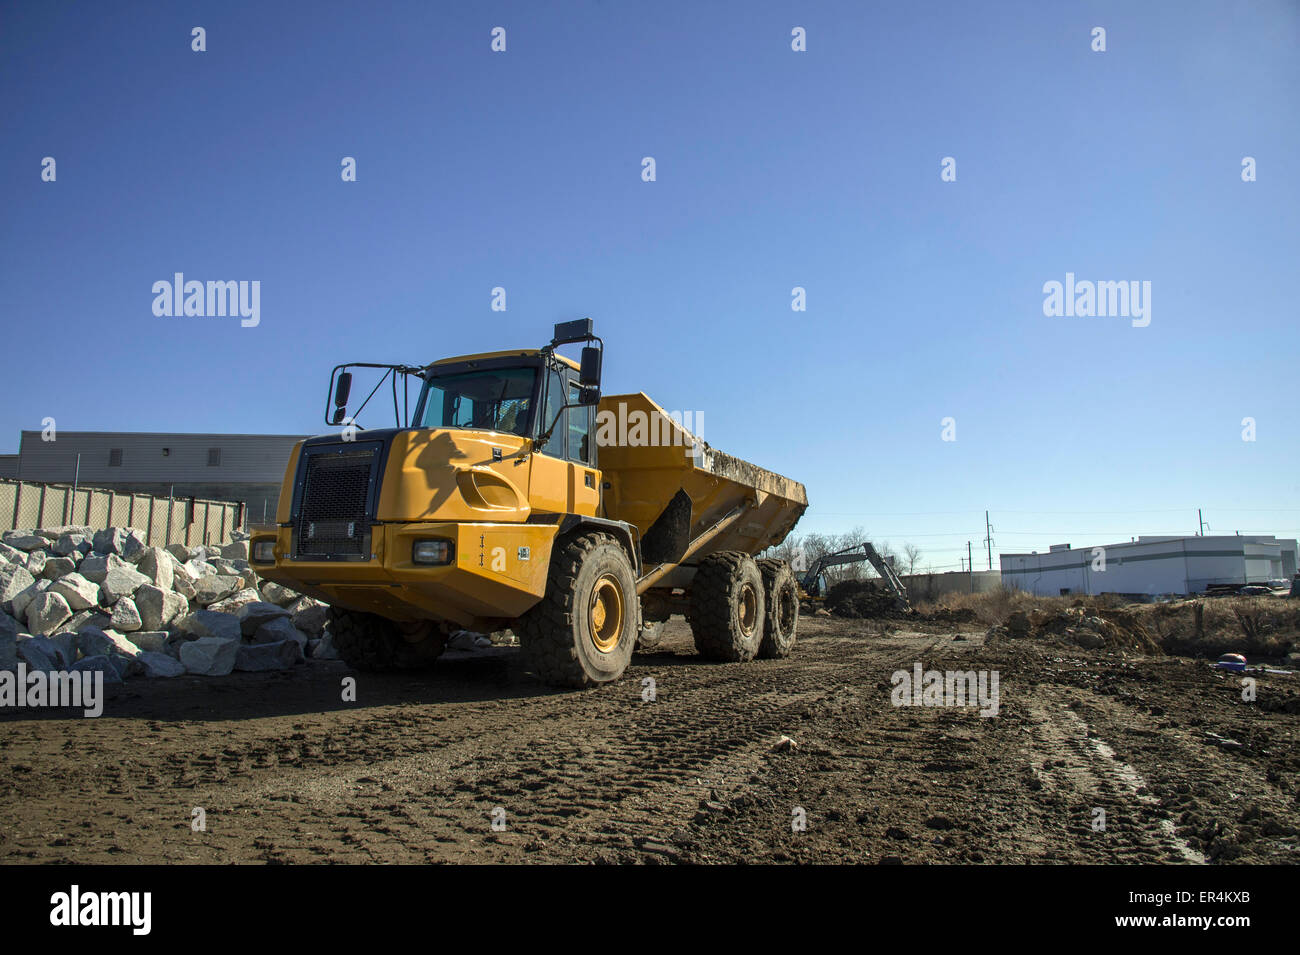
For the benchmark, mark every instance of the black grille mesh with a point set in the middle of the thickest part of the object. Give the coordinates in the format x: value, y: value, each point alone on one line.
x: 332, y: 520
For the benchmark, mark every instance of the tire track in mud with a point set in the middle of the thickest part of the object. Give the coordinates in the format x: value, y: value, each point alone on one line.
x: 413, y: 772
x: 1080, y: 771
x: 614, y: 779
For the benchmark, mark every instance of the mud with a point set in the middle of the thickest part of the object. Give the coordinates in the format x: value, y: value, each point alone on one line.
x: 415, y: 769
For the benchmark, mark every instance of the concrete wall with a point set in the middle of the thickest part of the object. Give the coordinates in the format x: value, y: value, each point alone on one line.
x: 1151, y: 565
x: 933, y: 586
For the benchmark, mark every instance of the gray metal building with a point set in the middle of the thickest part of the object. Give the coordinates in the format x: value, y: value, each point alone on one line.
x: 1152, y: 565
x: 247, y: 468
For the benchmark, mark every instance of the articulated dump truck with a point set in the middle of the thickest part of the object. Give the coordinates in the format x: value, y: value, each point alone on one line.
x: 518, y: 497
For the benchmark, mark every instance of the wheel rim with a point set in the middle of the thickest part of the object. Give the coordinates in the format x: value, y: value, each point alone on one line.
x: 748, y: 609
x: 606, y: 614
x: 788, y: 606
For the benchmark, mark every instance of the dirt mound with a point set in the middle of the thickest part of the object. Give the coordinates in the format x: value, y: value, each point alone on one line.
x: 859, y: 599
x: 1089, y: 628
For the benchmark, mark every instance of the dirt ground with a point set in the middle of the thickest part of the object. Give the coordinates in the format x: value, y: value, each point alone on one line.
x: 415, y: 770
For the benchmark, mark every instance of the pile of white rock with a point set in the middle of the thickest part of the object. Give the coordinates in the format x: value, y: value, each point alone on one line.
x: 75, y: 598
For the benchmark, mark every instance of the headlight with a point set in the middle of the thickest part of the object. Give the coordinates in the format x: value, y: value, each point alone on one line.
x: 431, y: 552
x: 264, y: 551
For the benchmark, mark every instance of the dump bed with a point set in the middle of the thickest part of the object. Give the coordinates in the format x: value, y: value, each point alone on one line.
x: 676, y: 489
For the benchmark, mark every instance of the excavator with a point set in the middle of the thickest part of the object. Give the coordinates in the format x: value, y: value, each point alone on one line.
x: 813, y: 584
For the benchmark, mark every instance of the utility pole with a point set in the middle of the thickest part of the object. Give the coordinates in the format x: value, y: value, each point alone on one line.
x: 970, y: 565
x: 1200, y: 530
x: 988, y: 539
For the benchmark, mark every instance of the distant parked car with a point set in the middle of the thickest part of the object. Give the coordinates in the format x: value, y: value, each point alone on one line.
x: 1232, y: 661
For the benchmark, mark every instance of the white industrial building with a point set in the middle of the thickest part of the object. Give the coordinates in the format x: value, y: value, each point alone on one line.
x: 1151, y: 565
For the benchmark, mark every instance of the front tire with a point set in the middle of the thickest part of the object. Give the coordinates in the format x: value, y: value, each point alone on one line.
x: 583, y: 631
x: 727, y: 607
x: 367, y: 641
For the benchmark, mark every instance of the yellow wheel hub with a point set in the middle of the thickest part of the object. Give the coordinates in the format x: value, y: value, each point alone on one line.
x: 606, y: 614
x: 748, y: 610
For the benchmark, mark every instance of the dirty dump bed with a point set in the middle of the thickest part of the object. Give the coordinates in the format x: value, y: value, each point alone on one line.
x: 674, y: 487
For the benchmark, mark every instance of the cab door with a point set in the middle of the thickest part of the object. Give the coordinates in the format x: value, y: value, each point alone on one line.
x: 584, y: 478
x: 550, y: 485
x: 564, y: 477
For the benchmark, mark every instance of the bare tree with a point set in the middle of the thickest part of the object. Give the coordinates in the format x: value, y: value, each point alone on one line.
x: 911, y: 557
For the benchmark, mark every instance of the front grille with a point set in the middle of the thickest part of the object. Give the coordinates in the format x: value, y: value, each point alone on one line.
x: 333, y: 513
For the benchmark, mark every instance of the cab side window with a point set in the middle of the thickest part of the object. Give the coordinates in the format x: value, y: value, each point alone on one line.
x: 555, y: 392
x: 579, y: 427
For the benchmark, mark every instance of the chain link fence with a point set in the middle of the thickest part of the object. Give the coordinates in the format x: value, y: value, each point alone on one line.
x: 189, y: 521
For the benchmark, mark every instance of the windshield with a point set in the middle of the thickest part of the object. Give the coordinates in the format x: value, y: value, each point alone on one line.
x: 496, y: 400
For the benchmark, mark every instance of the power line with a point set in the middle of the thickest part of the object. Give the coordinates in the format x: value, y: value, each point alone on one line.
x: 1000, y: 510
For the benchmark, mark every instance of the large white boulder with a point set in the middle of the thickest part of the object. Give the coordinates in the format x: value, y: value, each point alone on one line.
x: 22, y: 600
x: 281, y: 655
x: 72, y: 544
x: 213, y: 587
x: 95, y: 567
x: 25, y: 540
x: 159, y: 566
x: 80, y: 593
x: 120, y: 582
x: 252, y: 615
x: 236, y: 601
x: 309, y: 615
x: 159, y: 607
x: 160, y: 665
x: 56, y: 567
x: 153, y: 641
x: 209, y: 623
x: 46, y: 613
x: 14, y: 579
x: 125, y: 616
x: 278, y: 593
x: 280, y: 628
x: 210, y: 656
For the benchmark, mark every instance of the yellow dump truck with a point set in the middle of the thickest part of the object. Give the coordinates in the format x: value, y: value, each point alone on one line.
x: 518, y: 497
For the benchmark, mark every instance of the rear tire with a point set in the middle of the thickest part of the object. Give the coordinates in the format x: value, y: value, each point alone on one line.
x: 781, y: 594
x: 367, y: 641
x: 727, y: 607
x: 584, y: 629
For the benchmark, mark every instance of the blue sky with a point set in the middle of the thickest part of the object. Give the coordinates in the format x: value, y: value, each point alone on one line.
x: 775, y: 169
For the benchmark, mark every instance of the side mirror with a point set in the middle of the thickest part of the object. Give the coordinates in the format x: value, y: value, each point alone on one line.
x: 341, y: 392
x: 343, y: 389
x: 588, y: 396
x: 589, y: 369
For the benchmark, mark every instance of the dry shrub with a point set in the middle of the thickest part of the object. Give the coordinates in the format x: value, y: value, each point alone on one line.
x: 992, y: 606
x: 1267, y: 627
x: 1254, y: 626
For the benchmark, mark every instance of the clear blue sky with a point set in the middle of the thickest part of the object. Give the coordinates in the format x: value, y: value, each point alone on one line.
x: 775, y: 169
